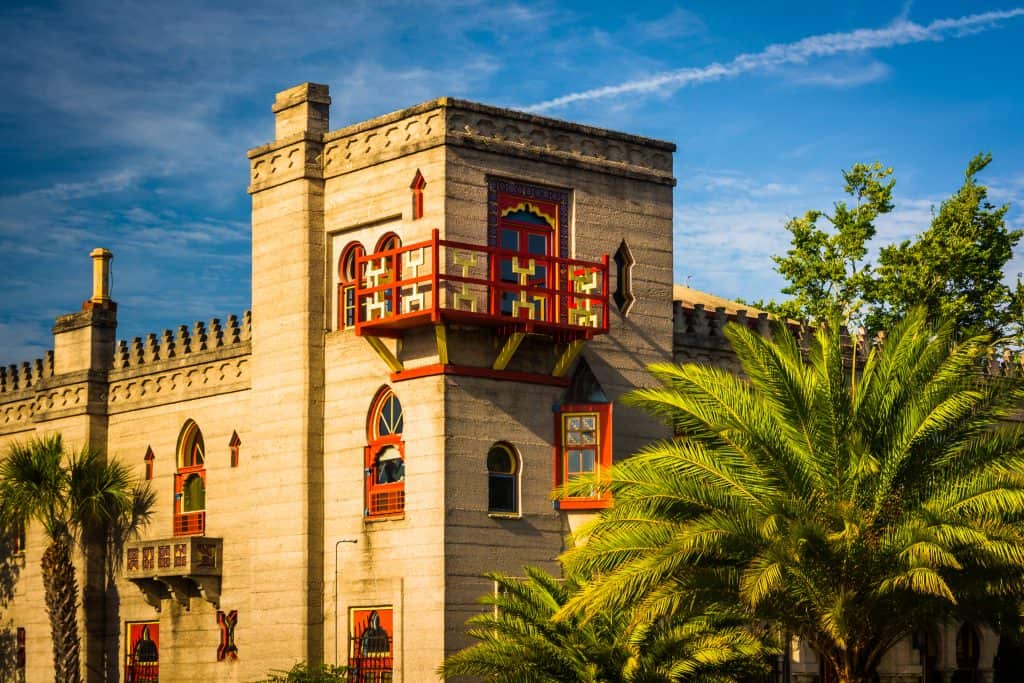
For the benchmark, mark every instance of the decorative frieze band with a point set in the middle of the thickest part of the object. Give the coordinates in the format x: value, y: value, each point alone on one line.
x: 462, y: 123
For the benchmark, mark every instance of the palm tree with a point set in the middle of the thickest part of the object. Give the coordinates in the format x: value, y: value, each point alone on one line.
x: 78, y: 498
x: 521, y: 642
x: 849, y: 506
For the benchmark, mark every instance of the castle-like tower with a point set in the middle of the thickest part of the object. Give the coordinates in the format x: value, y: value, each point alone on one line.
x: 447, y: 301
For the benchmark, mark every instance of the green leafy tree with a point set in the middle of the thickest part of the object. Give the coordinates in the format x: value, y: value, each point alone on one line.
x: 306, y: 673
x: 955, y: 267
x: 848, y: 513
x: 81, y: 500
x: 521, y: 642
x: 826, y: 266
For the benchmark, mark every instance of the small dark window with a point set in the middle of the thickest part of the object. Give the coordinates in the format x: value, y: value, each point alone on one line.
x: 149, y: 458
x: 623, y: 294
x: 502, y: 476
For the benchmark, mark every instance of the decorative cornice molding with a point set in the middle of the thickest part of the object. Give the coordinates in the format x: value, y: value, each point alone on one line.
x: 476, y: 126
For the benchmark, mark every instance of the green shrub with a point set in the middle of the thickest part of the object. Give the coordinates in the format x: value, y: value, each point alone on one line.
x: 304, y: 673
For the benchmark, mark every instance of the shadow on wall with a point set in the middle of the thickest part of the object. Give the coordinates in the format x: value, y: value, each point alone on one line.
x: 10, y: 567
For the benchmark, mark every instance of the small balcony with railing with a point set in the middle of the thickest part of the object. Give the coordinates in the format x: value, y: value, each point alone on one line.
x: 178, y: 568
x: 447, y: 283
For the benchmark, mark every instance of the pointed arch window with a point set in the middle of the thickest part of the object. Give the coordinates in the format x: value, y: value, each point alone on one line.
x: 235, y: 445
x: 418, y: 183
x: 190, y: 483
x: 347, y: 279
x: 384, y: 457
x: 149, y: 458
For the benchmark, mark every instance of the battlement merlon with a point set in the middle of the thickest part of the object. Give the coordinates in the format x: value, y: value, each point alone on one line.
x: 303, y: 149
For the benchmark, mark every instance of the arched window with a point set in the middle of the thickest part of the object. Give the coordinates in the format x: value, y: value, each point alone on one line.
x: 190, y: 483
x: 502, y: 479
x: 968, y: 650
x: 347, y: 279
x: 385, y: 457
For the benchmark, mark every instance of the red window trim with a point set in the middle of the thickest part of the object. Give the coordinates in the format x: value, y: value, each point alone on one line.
x: 604, y: 455
x: 418, y: 183
x: 381, y: 501
x: 346, y: 284
x: 191, y: 522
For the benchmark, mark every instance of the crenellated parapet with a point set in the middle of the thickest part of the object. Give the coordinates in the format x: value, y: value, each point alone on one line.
x: 186, y: 344
x: 205, y: 359
x: 16, y: 378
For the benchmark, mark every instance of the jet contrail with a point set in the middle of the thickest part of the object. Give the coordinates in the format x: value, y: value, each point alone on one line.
x: 900, y: 32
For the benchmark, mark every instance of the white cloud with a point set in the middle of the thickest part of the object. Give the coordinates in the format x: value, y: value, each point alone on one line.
x: 900, y: 32
x: 844, y: 77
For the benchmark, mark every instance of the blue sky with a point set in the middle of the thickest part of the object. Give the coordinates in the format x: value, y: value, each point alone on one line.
x: 126, y: 124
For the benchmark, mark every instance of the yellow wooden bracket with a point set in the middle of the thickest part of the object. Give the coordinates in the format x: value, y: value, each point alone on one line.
x: 508, y: 350
x: 572, y: 349
x: 385, y: 353
x: 441, y: 337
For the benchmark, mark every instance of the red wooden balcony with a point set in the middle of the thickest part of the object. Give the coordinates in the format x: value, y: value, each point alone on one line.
x: 445, y: 281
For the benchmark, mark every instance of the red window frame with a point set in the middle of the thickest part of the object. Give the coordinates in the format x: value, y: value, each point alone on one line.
x: 383, y: 499
x: 148, y: 459
x: 603, y: 455
x: 371, y: 654
x: 348, y: 276
x: 503, y: 295
x: 418, y: 183
x: 144, y: 669
x: 191, y: 461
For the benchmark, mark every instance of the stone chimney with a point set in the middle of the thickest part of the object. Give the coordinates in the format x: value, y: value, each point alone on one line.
x: 85, y: 340
x: 302, y: 109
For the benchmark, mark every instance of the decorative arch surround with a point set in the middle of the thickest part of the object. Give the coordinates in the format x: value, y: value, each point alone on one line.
x: 417, y: 187
x: 623, y: 294
x: 190, y: 482
x: 530, y: 224
x: 384, y: 457
x: 503, y: 467
x: 348, y: 277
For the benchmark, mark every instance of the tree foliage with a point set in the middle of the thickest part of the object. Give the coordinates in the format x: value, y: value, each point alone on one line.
x: 522, y: 641
x: 848, y: 508
x: 827, y: 267
x: 78, y: 499
x: 953, y: 267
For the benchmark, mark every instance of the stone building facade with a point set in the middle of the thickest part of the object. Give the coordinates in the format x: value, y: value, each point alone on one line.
x: 446, y: 303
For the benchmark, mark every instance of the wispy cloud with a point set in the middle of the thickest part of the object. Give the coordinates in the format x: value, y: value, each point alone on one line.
x: 900, y: 32
x: 845, y: 78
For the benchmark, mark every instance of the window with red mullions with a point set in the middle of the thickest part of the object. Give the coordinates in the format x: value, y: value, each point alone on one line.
x: 347, y: 277
x: 583, y: 446
x: 190, y: 483
x: 384, y: 462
